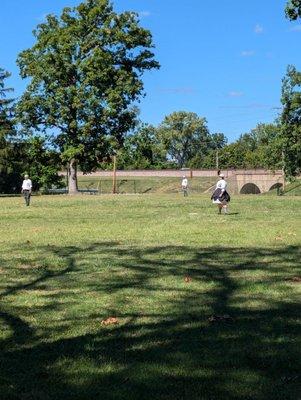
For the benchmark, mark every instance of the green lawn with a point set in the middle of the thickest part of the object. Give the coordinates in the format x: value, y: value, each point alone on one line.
x: 144, y: 184
x: 207, y: 306
x: 294, y: 188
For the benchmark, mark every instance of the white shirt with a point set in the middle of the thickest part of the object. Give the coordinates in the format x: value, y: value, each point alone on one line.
x: 27, y: 184
x: 221, y: 184
x: 184, y: 183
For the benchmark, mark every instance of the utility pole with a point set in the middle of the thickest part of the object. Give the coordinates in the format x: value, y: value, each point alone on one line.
x: 114, y: 175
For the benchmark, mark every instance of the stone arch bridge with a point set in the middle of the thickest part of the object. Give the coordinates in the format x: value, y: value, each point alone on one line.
x: 255, y: 182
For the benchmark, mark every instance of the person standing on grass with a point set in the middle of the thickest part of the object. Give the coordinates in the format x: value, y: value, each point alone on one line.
x: 220, y: 196
x: 26, y: 189
x: 185, y: 186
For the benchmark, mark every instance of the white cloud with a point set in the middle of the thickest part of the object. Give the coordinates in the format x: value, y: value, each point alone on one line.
x: 144, y: 14
x: 247, y: 53
x: 234, y: 93
x: 296, y: 28
x: 258, y: 29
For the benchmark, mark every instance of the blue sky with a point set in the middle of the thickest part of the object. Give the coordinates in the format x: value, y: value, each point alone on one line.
x: 223, y: 59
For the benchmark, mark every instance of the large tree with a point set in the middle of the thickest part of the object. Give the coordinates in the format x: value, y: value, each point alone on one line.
x: 10, y: 163
x: 144, y: 148
x: 184, y: 135
x: 291, y: 121
x: 6, y: 113
x: 291, y: 100
x: 85, y: 74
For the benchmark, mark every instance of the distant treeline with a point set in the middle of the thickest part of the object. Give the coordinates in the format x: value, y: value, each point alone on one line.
x: 79, y: 108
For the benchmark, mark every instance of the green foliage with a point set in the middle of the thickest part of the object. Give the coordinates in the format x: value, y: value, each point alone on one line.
x: 185, y: 137
x: 85, y: 73
x: 260, y: 148
x: 10, y: 155
x: 232, y: 156
x: 144, y: 149
x: 6, y: 108
x: 293, y: 9
x: 18, y: 155
x: 291, y: 121
x: 41, y: 163
x: 291, y: 100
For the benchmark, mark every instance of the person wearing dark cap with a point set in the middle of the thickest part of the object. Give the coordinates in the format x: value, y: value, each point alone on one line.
x: 26, y: 189
x: 220, y: 196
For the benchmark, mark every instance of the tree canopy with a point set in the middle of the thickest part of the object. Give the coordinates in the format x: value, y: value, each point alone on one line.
x: 10, y: 166
x: 85, y: 74
x: 291, y: 121
x: 184, y: 135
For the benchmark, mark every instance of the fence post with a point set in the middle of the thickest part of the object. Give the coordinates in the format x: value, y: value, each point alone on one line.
x: 114, y: 174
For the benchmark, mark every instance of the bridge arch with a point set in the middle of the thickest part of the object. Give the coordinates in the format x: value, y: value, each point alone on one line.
x: 250, y: 188
x: 277, y: 185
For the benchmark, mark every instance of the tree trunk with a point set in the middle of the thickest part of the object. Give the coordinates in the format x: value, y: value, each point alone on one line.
x: 72, y: 177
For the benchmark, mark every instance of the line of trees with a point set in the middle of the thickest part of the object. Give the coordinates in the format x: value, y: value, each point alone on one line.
x: 183, y: 140
x: 80, y: 107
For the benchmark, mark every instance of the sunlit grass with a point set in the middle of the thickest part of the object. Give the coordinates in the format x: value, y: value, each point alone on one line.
x: 207, y: 305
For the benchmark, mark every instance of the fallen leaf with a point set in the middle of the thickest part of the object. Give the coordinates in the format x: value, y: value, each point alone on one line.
x: 187, y: 279
x: 278, y: 238
x: 110, y: 321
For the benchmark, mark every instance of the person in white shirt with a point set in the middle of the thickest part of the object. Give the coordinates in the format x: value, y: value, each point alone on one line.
x: 220, y: 195
x: 26, y: 189
x: 185, y: 186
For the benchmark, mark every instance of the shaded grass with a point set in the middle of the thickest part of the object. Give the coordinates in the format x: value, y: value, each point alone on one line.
x: 66, y: 264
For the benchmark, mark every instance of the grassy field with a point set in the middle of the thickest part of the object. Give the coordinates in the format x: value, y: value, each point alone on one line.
x: 294, y: 188
x: 144, y: 184
x: 150, y: 297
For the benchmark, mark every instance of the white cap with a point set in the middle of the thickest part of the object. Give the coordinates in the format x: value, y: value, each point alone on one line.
x: 221, y: 175
x: 184, y: 176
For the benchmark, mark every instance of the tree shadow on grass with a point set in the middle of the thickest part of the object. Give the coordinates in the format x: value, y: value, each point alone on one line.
x: 209, y: 323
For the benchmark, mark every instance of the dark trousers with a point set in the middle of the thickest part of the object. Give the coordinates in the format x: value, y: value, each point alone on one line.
x: 26, y: 194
